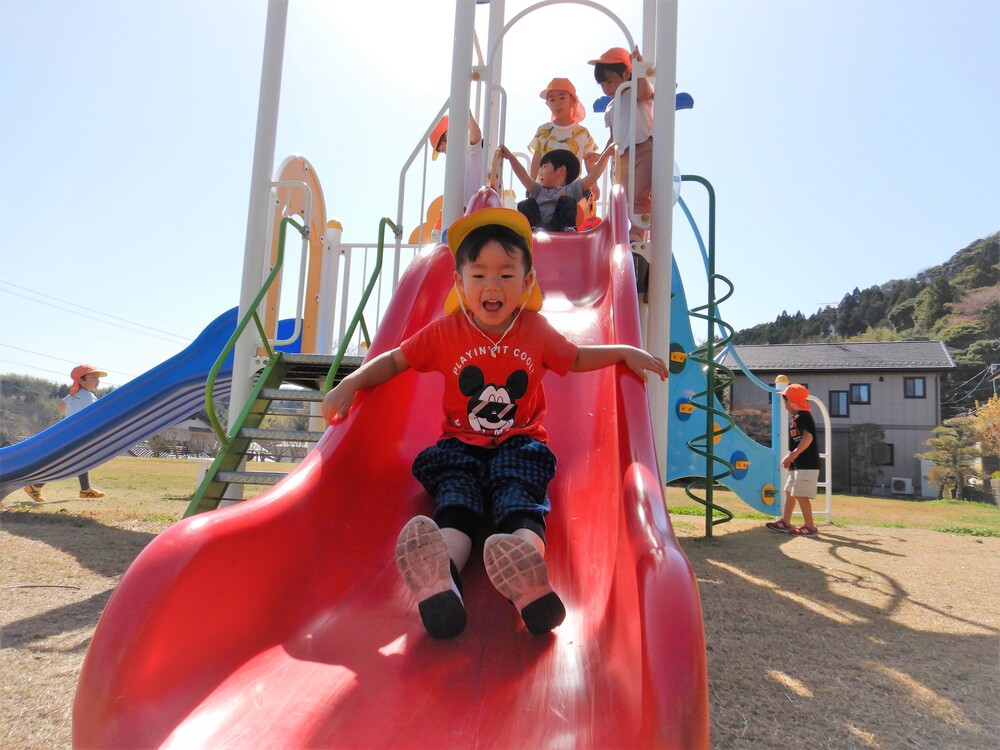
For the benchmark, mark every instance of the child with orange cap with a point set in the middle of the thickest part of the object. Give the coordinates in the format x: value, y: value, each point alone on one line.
x: 611, y: 70
x: 474, y: 158
x: 802, y: 463
x: 86, y: 379
x: 492, y: 348
x: 563, y: 130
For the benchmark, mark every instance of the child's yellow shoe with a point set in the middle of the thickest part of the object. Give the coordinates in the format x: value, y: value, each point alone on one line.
x: 92, y: 493
x: 35, y: 493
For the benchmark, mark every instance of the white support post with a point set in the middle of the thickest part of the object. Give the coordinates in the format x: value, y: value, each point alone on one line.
x: 258, y: 211
x: 780, y: 425
x: 661, y: 220
x: 826, y: 459
x: 648, y: 27
x: 458, y: 111
x: 332, y: 237
x: 496, y: 23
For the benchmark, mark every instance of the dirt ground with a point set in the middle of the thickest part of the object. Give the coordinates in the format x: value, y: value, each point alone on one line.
x: 864, y: 638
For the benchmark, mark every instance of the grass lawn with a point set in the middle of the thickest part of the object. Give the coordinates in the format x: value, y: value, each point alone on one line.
x: 149, y: 490
x: 951, y: 516
x: 159, y: 489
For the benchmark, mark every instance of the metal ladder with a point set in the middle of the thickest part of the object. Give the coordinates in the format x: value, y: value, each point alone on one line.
x: 307, y: 372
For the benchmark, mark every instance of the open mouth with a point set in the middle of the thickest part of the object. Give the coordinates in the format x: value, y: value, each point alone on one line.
x: 492, y: 305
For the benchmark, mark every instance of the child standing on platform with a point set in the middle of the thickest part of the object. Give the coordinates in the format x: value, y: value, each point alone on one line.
x: 473, y: 158
x: 564, y: 130
x: 611, y: 70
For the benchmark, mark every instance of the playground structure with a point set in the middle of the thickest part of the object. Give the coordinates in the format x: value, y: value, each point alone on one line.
x: 282, y: 621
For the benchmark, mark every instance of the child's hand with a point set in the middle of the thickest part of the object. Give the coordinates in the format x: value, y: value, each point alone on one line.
x: 336, y: 405
x: 640, y: 361
x: 591, y: 159
x: 505, y: 153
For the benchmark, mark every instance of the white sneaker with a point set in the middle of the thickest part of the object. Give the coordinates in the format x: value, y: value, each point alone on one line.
x: 423, y: 562
x: 518, y: 571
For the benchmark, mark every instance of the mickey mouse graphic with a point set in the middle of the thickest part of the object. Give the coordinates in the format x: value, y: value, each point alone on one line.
x: 492, y: 407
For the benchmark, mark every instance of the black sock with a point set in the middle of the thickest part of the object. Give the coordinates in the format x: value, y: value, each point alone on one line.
x: 455, y: 576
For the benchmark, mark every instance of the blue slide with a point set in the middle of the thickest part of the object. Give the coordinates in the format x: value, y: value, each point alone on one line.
x: 154, y: 401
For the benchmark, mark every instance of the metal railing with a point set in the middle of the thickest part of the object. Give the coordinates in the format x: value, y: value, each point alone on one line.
x: 250, y: 315
x: 358, y: 319
x: 358, y: 260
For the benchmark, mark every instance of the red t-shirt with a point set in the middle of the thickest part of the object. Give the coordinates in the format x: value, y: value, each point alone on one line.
x: 492, y: 392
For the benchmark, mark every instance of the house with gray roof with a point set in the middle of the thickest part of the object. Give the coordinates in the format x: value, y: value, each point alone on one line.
x: 895, y: 384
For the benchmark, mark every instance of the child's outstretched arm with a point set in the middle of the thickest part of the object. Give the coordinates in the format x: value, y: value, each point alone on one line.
x: 374, y: 372
x: 519, y: 171
x: 591, y: 178
x: 536, y: 163
x: 644, y: 89
x: 639, y: 361
x: 475, y: 134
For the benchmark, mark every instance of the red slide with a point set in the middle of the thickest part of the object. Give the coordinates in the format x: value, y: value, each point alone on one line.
x: 282, y: 622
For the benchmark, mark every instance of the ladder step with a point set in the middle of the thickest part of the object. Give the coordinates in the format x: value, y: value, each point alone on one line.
x: 313, y: 359
x: 291, y: 394
x: 250, y: 477
x: 259, y: 433
x: 303, y: 367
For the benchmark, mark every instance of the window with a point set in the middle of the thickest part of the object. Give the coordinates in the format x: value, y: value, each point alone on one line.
x: 861, y: 393
x: 914, y: 388
x: 885, y: 454
x: 839, y: 406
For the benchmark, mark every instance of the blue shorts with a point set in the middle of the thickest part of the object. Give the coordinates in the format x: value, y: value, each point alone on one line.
x: 512, y: 477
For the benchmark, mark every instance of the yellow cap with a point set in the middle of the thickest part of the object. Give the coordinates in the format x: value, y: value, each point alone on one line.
x: 505, y: 217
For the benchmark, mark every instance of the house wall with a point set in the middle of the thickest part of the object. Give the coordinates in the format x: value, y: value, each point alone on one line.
x: 907, y: 422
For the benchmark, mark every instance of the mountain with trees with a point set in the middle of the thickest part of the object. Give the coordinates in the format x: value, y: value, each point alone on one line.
x: 957, y: 302
x: 28, y: 405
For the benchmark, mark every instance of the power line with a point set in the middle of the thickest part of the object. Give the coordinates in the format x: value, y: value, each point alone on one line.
x: 59, y: 359
x: 88, y: 308
x: 107, y: 322
x: 963, y: 392
x: 35, y: 367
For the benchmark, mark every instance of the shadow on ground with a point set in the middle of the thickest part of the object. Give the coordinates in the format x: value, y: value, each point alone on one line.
x: 832, y: 644
x: 103, y: 550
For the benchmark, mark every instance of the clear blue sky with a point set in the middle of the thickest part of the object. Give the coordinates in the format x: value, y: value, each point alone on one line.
x: 850, y: 142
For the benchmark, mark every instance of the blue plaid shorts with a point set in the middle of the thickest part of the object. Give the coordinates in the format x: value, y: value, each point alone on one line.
x: 511, y: 477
